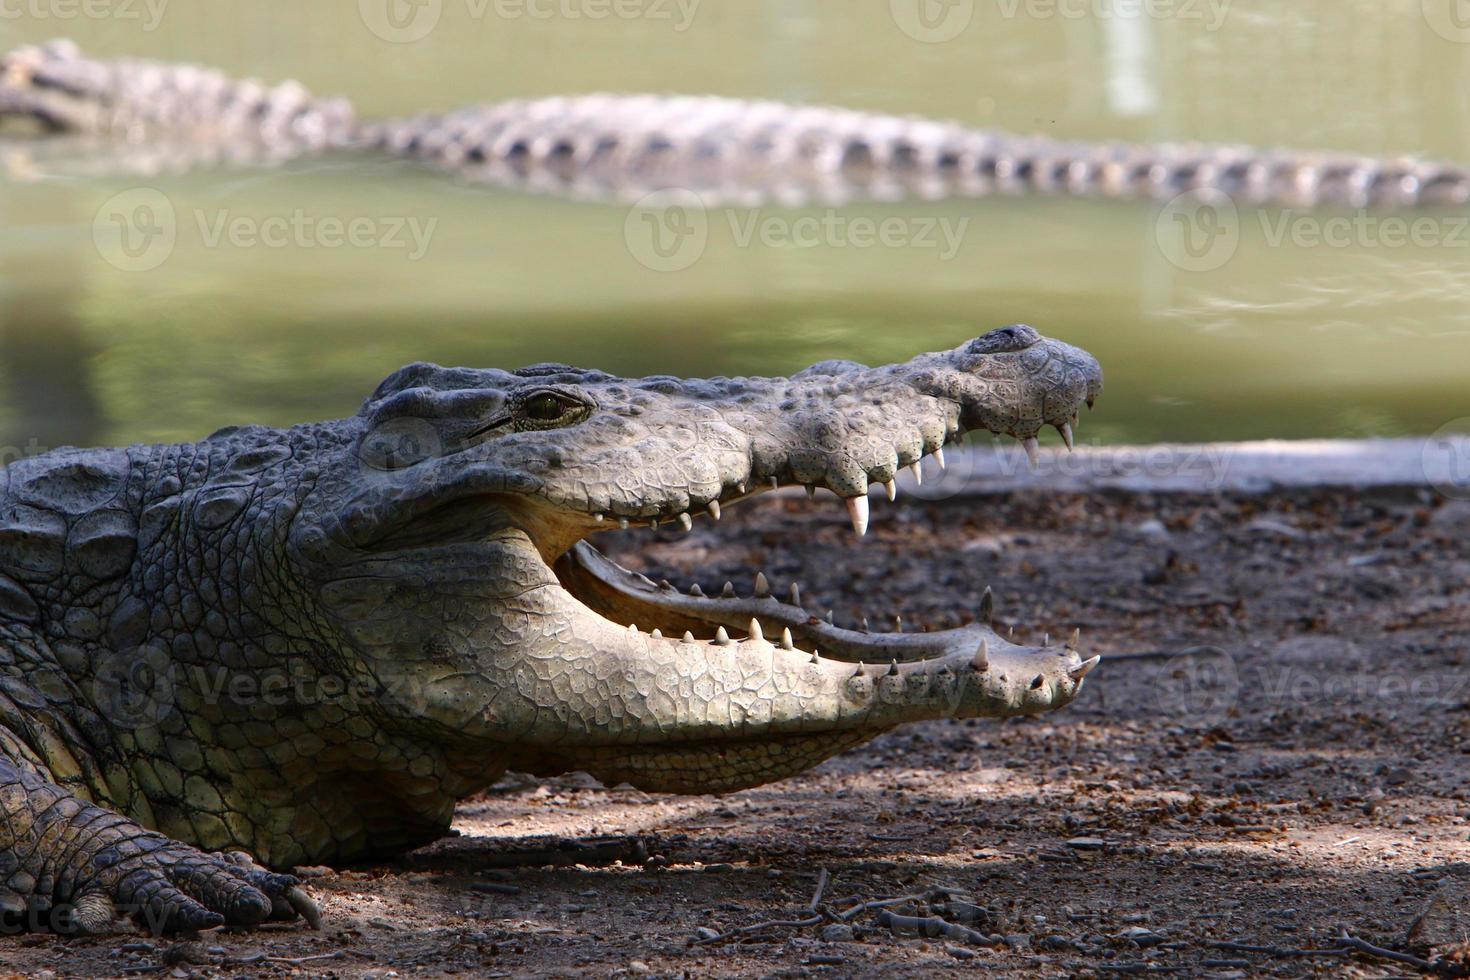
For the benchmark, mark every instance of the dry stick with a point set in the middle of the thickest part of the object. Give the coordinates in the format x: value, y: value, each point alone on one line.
x: 757, y: 927
x: 822, y: 878
x: 1234, y: 947
x: 932, y: 925
x: 1363, y: 946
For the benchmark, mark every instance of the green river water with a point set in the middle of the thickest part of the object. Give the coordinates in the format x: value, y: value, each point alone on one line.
x: 1293, y: 327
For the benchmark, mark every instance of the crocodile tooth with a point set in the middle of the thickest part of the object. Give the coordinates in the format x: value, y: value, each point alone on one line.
x: 939, y: 458
x: 623, y: 523
x: 918, y: 472
x: 890, y: 488
x: 686, y: 522
x: 1045, y: 640
x: 721, y: 637
x: 775, y: 483
x: 762, y: 585
x: 865, y: 624
x: 714, y: 509
x: 987, y: 606
x: 816, y: 657
x: 811, y: 491
x: 1033, y: 450
x: 898, y: 624
x: 1066, y: 430
x: 657, y: 634
x: 597, y: 518
x: 653, y: 523
x: 1011, y: 633
x: 1084, y: 668
x: 740, y: 487
x: 795, y: 594
x: 981, y: 660
x: 1074, y: 639
x: 786, y: 642
x: 755, y: 630
x: 893, y: 669
x: 666, y: 585
x: 857, y: 509
x: 831, y: 619
x: 632, y: 627
x: 728, y: 592
x: 688, y: 636
x: 696, y: 591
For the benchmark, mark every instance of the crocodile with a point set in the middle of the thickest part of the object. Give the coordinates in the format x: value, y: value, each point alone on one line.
x: 144, y: 117
x: 271, y: 648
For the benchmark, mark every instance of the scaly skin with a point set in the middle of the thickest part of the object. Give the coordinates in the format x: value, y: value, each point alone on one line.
x: 308, y: 644
x: 143, y: 117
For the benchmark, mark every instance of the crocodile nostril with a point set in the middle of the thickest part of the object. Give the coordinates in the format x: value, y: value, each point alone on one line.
x: 1017, y: 336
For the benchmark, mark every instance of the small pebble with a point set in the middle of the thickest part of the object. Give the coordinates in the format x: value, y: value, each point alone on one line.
x: 837, y: 932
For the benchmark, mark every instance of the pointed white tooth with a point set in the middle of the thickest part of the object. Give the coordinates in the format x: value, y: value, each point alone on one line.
x: 865, y: 624
x: 696, y: 591
x: 1074, y: 639
x: 795, y: 594
x: 740, y: 487
x: 755, y: 630
x: 762, y: 585
x: 890, y: 488
x: 831, y: 618
x: 1084, y: 668
x: 1033, y: 450
x: 728, y: 592
x: 1066, y: 430
x: 857, y: 509
x: 623, y: 523
x: 816, y: 657
x: 786, y: 642
x: 918, y: 472
x: 775, y: 483
x: 939, y: 458
x: 686, y: 522
x: 653, y: 523
x: 657, y: 634
x: 688, y: 636
x: 811, y: 492
x: 597, y: 517
x: 982, y: 656
x: 714, y: 509
x: 898, y: 624
x: 1011, y: 634
x: 893, y: 669
x: 1045, y: 640
x: 632, y: 627
x: 721, y: 637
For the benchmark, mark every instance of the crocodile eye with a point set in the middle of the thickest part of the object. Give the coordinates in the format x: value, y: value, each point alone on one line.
x: 545, y: 408
x: 548, y: 409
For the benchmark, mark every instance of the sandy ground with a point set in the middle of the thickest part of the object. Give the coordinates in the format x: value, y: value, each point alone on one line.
x: 1279, y: 753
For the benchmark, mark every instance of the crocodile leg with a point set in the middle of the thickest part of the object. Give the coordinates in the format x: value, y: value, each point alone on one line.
x: 78, y: 867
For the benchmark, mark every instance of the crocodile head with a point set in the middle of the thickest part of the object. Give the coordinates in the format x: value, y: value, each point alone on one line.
x: 453, y: 555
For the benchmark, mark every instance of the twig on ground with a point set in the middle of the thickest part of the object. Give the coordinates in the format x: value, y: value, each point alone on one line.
x: 823, y: 877
x: 931, y: 925
x: 811, y: 920
x: 1383, y: 953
